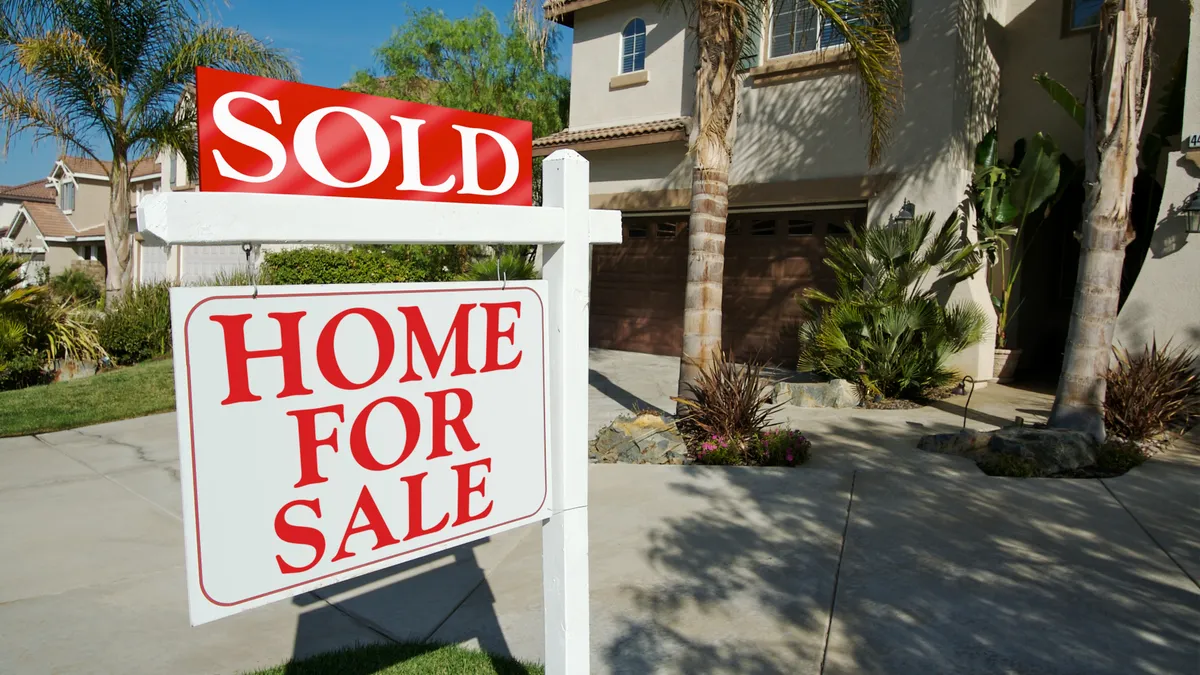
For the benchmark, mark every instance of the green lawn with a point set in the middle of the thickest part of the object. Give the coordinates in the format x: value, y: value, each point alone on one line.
x: 114, y: 395
x: 405, y: 659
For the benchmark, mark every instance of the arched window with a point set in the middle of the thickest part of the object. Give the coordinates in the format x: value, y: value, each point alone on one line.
x: 633, y: 46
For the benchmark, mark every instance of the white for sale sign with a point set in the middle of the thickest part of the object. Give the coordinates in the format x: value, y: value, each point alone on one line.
x: 328, y: 431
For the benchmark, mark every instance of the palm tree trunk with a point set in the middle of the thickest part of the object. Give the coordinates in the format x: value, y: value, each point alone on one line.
x: 712, y: 156
x: 1116, y: 109
x: 116, y: 231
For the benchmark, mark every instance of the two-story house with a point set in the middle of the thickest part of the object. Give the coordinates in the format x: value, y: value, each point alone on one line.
x: 59, y: 222
x: 799, y: 168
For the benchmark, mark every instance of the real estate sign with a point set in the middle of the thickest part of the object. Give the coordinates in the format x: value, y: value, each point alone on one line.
x: 264, y: 135
x: 329, y: 431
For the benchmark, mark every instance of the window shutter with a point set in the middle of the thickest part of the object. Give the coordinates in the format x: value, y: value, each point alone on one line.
x: 902, y: 19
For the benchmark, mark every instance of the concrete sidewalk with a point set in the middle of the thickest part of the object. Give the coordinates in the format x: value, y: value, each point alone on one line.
x: 876, y: 558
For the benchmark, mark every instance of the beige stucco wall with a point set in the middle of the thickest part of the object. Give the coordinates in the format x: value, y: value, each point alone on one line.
x: 91, y: 203
x: 60, y: 256
x: 596, y: 58
x: 1027, y: 37
x: 1165, y: 300
x: 27, y: 237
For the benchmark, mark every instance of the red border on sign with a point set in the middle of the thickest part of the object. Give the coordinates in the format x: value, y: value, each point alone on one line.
x: 192, y: 435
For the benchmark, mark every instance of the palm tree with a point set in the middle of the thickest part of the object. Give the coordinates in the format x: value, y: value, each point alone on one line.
x: 724, y: 27
x: 1116, y: 103
x: 105, y: 77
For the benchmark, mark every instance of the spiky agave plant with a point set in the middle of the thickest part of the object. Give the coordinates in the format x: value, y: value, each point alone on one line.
x: 883, y: 327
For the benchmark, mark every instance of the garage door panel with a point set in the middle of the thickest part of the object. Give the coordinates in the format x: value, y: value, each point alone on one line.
x: 770, y: 259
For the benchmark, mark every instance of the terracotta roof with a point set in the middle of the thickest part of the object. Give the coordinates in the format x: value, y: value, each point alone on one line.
x: 143, y: 167
x: 675, y: 128
x: 49, y: 220
x: 93, y: 231
x: 33, y: 191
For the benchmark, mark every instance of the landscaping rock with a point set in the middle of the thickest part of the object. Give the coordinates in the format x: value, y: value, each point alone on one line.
x: 965, y: 443
x: 832, y: 394
x: 1050, y: 450
x: 645, y: 439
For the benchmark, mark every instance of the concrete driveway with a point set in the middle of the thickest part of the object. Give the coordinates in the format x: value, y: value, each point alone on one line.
x: 876, y: 558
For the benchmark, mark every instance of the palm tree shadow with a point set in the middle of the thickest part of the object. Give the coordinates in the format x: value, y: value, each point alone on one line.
x: 400, y: 610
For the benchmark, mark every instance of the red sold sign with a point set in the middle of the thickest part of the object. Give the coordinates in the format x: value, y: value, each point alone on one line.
x: 264, y: 135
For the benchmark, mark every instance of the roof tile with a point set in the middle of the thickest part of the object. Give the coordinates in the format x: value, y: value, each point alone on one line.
x: 142, y: 167
x: 568, y: 137
x: 49, y: 220
x: 34, y: 191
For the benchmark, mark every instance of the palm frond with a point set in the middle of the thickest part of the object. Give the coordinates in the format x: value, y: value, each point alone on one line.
x: 870, y: 38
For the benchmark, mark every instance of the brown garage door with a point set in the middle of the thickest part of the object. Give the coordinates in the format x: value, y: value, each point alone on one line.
x: 770, y: 257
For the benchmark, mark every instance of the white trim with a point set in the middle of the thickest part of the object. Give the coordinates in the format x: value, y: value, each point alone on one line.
x: 89, y: 176
x: 150, y: 176
x: 75, y: 239
x: 244, y: 217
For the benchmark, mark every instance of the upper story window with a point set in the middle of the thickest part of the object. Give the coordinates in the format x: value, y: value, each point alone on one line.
x: 1082, y: 14
x: 797, y: 27
x: 633, y: 47
x: 66, y: 196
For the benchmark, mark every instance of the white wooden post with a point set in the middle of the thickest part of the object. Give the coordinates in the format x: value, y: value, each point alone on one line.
x: 565, y: 534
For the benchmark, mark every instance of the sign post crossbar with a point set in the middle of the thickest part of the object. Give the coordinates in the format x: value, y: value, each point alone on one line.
x: 565, y: 225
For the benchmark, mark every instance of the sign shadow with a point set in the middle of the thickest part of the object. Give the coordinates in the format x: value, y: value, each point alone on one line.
x: 402, y: 605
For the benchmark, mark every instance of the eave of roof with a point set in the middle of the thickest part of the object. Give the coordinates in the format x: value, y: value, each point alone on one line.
x: 619, y: 136
x: 563, y: 11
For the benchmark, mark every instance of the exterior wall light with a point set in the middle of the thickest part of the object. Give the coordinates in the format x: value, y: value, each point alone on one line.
x: 908, y: 211
x: 1191, y: 212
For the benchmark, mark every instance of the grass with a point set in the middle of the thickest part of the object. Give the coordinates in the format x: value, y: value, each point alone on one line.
x: 143, y: 389
x: 404, y: 659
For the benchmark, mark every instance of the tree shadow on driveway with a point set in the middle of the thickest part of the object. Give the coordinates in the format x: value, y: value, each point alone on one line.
x: 938, y: 574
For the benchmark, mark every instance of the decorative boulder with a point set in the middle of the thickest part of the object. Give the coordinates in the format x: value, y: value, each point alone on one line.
x: 645, y: 439
x: 832, y: 394
x: 1050, y: 450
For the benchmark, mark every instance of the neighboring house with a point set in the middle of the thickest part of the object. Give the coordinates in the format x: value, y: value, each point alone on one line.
x: 11, y: 197
x: 799, y: 168
x: 60, y: 221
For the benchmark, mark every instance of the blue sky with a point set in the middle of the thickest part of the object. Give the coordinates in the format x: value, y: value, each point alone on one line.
x: 329, y: 41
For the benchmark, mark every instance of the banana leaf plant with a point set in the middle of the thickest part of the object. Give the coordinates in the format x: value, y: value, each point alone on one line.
x: 1004, y: 197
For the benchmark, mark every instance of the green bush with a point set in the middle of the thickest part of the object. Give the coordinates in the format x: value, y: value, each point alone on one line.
x: 1010, y: 466
x: 1117, y: 457
x: 431, y: 263
x: 23, y: 370
x: 333, y: 266
x: 1148, y: 392
x: 137, y: 327
x: 510, y: 265
x: 883, y: 327
x: 75, y: 284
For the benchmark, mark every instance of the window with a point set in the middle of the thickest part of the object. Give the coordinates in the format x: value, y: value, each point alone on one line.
x: 172, y: 168
x: 1082, y: 14
x: 639, y: 231
x: 762, y: 228
x: 66, y: 196
x: 633, y: 47
x: 797, y: 27
x: 800, y: 228
x: 666, y: 230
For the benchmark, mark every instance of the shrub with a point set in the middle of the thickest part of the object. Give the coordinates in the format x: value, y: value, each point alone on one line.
x: 728, y: 402
x: 137, y: 327
x: 783, y: 447
x: 333, y: 266
x: 510, y: 265
x: 1150, y: 391
x: 1010, y: 466
x: 719, y: 451
x: 63, y: 329
x: 75, y: 284
x: 23, y: 370
x: 431, y: 263
x: 1116, y: 457
x: 883, y: 327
